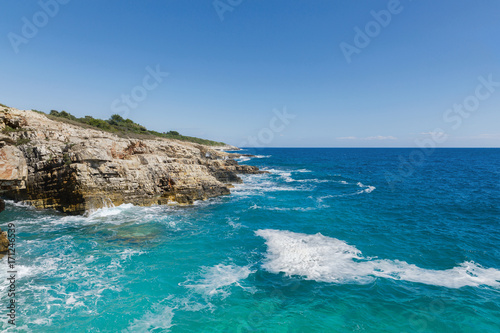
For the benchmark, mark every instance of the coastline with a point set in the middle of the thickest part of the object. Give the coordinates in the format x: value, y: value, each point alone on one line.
x: 74, y: 169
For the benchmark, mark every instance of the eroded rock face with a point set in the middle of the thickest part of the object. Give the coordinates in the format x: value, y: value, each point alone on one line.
x: 52, y: 164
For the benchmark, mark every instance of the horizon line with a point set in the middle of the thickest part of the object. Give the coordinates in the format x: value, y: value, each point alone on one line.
x: 369, y: 147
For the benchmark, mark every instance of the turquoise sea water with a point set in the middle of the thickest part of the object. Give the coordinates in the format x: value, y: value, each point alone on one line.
x: 331, y: 240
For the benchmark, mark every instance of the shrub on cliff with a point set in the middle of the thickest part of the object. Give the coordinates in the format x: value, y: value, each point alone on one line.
x: 126, y: 125
x: 63, y: 114
x: 99, y: 123
x: 117, y: 124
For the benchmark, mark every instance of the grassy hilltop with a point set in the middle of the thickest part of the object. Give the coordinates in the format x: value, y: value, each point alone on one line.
x: 124, y: 127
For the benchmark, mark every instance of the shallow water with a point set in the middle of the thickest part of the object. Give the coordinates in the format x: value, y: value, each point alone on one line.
x: 323, y: 243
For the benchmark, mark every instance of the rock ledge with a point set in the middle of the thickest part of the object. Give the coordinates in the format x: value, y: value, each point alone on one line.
x: 73, y: 169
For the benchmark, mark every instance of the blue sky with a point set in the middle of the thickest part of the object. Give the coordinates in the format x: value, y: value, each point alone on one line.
x: 419, y: 73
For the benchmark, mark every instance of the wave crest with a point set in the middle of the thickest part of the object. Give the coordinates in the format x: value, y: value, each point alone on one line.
x: 325, y: 259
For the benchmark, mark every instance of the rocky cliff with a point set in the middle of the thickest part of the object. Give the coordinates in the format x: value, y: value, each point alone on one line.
x: 53, y: 164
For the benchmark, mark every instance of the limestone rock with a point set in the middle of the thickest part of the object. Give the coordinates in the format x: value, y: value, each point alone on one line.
x: 73, y: 169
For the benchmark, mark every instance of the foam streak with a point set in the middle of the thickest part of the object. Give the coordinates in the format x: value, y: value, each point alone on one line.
x: 325, y: 259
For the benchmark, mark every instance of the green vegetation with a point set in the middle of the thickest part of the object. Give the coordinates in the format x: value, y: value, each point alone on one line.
x: 66, y: 159
x: 7, y: 129
x: 3, y: 105
x: 124, y: 127
x: 22, y: 141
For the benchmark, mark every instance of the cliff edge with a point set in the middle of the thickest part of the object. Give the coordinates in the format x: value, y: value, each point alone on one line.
x: 73, y: 169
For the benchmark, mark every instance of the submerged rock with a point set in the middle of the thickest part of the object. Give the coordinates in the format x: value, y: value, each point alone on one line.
x: 71, y: 168
x: 4, y: 239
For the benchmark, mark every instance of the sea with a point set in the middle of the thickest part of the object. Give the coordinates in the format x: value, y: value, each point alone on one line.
x: 328, y: 240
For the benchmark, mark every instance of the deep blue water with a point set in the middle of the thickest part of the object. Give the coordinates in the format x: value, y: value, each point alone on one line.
x: 331, y: 240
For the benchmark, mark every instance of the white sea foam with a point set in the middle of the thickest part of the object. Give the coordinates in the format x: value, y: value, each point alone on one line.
x: 157, y: 320
x: 44, y: 264
x: 129, y: 253
x: 314, y: 180
x: 42, y: 321
x: 21, y: 204
x: 233, y: 224
x: 248, y: 158
x: 123, y: 214
x: 287, y: 177
x: 73, y: 301
x: 272, y: 182
x: 243, y: 158
x: 110, y: 211
x: 320, y: 258
x: 260, y: 184
x: 215, y: 280
x: 284, y: 174
x: 366, y: 188
x: 207, y: 202
x: 300, y: 209
x: 69, y: 265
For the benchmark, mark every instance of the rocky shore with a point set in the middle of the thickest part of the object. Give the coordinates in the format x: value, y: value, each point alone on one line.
x: 4, y: 239
x: 74, y: 169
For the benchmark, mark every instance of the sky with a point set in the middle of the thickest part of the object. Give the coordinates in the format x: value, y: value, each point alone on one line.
x: 264, y: 73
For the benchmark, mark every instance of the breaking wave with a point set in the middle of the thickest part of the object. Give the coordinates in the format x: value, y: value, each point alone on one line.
x: 320, y: 258
x: 159, y: 319
x: 216, y: 280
